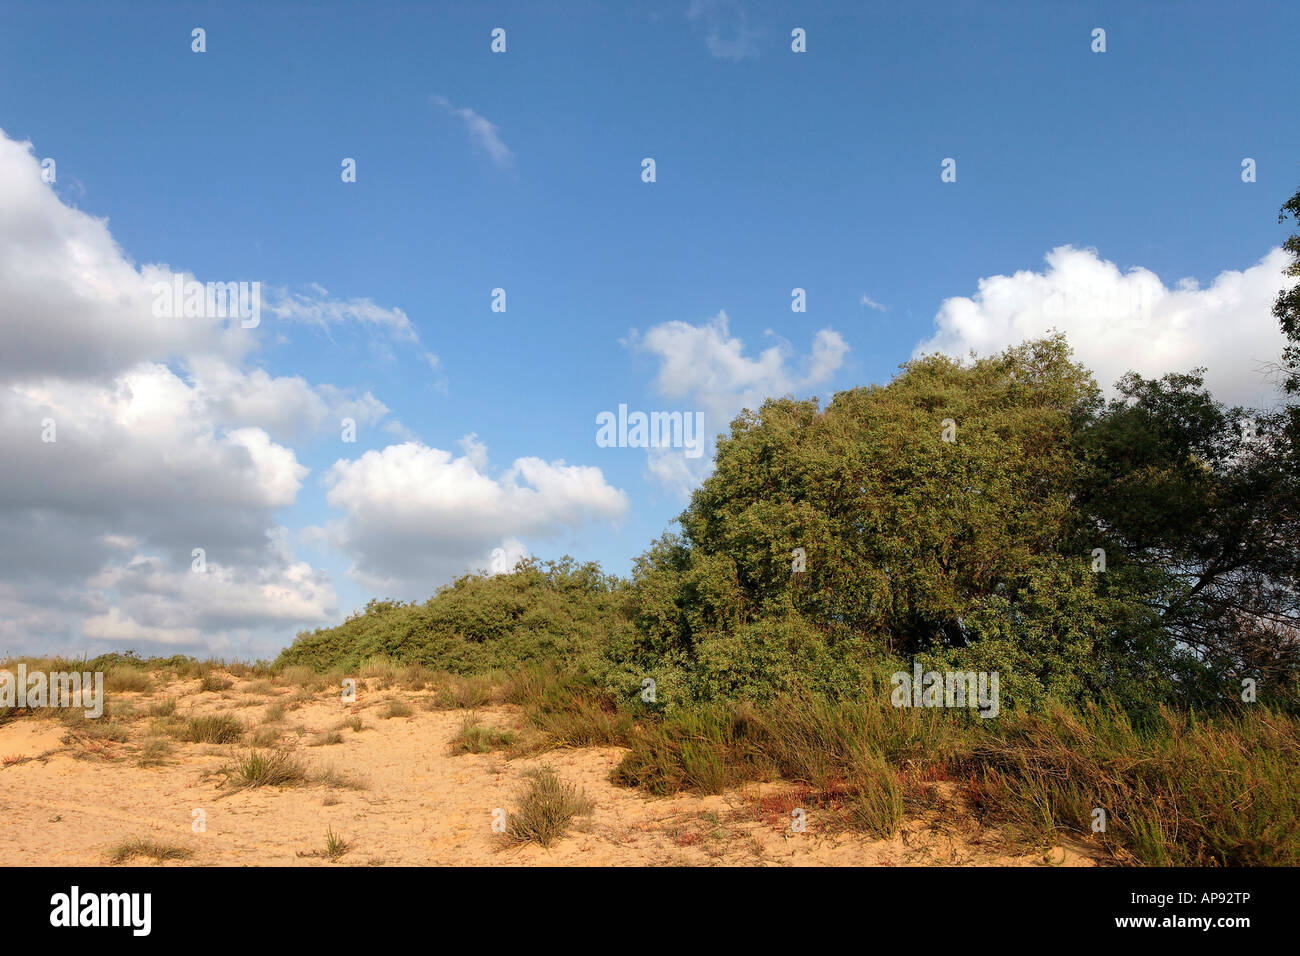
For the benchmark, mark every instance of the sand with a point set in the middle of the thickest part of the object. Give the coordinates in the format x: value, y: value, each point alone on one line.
x: 70, y: 800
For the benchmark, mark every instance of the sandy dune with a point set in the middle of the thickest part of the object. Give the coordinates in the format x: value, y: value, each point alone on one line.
x: 68, y: 800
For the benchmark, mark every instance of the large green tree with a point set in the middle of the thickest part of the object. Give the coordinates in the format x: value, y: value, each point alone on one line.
x: 995, y: 514
x: 929, y: 518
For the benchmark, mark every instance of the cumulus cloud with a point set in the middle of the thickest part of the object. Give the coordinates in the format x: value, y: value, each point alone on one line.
x: 287, y: 407
x: 130, y: 440
x: 1121, y: 321
x: 163, y: 609
x: 73, y: 304
x: 871, y: 303
x: 482, y: 132
x: 707, y: 366
x: 138, y: 475
x: 415, y: 516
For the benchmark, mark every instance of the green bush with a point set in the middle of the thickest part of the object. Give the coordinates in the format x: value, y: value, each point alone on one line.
x: 540, y: 612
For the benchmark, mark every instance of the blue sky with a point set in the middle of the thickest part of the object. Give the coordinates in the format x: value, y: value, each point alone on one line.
x: 522, y: 170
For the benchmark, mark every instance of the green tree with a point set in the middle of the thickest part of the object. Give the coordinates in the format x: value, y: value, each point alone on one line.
x: 1199, y: 512
x: 832, y: 545
x: 915, y: 546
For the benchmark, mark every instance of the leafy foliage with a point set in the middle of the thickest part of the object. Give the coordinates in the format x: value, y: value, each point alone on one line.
x: 542, y: 611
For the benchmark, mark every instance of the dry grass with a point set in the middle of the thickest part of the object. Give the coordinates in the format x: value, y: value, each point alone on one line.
x: 139, y: 846
x: 337, y: 780
x: 396, y: 708
x: 263, y: 768
x: 265, y: 737
x: 546, y: 808
x: 154, y: 752
x: 127, y: 679
x: 475, y: 738
x: 215, y: 683
x: 211, y: 729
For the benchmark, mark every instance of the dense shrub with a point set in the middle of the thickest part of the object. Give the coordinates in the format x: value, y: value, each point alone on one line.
x: 539, y: 612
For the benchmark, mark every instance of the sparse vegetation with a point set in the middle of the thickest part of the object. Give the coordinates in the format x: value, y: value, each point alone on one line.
x: 474, y: 738
x: 264, y: 768
x: 265, y: 737
x: 396, y: 708
x: 154, y: 752
x: 335, y: 847
x: 1180, y: 791
x: 152, y: 849
x: 211, y: 729
x: 459, y: 692
x: 545, y: 810
x: 123, y: 679
x: 338, y: 780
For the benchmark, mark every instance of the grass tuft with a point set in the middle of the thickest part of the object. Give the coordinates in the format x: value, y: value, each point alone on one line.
x: 397, y: 708
x: 546, y: 809
x: 154, y: 752
x: 139, y: 846
x: 474, y: 738
x: 264, y: 768
x: 211, y: 729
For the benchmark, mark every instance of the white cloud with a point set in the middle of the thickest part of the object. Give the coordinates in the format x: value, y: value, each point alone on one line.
x: 707, y: 366
x: 165, y: 441
x: 223, y: 595
x: 140, y: 474
x: 505, y: 557
x: 871, y: 303
x: 475, y: 451
x: 726, y: 27
x: 287, y: 407
x: 829, y: 349
x: 321, y: 310
x: 1118, y: 321
x: 73, y: 305
x: 416, y: 516
x: 163, y: 611
x: 482, y: 132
